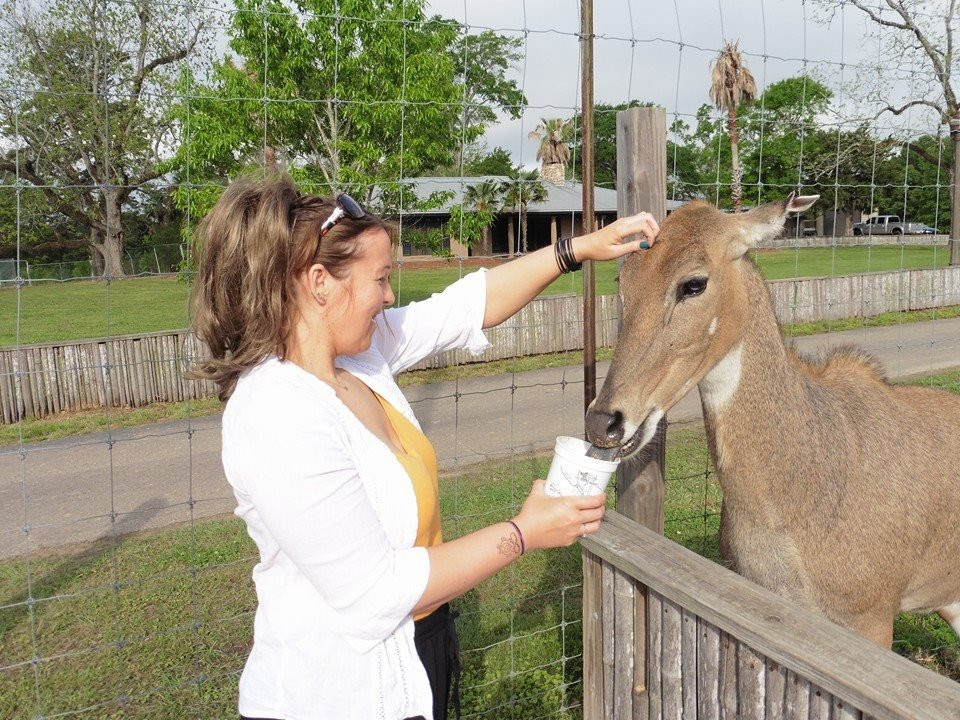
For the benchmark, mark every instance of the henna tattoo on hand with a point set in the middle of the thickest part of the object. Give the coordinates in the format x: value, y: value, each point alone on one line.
x: 509, y: 545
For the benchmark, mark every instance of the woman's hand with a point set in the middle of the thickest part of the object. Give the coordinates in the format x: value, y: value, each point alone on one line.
x: 611, y: 241
x: 550, y: 522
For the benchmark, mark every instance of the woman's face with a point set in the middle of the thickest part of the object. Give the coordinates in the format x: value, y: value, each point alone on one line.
x: 354, y: 301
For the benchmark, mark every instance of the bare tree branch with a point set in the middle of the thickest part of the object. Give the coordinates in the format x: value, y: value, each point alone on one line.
x: 903, y: 108
x: 876, y: 18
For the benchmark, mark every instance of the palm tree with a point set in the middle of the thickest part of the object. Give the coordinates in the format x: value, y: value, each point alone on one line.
x: 730, y: 85
x: 485, y: 197
x: 523, y: 187
x: 554, y: 151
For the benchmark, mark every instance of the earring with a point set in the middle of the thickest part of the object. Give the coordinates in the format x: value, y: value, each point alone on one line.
x: 321, y: 296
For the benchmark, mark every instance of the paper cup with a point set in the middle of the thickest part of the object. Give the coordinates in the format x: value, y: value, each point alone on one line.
x: 573, y: 473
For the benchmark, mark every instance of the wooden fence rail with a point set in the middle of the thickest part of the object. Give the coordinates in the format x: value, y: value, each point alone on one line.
x: 130, y: 371
x: 715, y: 646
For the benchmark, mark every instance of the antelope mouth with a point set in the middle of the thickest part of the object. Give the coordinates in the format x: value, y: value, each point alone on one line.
x: 641, y: 436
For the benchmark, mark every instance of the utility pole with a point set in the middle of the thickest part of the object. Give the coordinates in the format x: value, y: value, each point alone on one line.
x: 955, y: 191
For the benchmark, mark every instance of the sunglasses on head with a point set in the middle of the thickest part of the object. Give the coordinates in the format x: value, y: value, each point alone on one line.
x: 346, y: 205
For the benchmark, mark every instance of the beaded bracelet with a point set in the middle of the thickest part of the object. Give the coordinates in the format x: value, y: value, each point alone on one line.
x: 523, y: 546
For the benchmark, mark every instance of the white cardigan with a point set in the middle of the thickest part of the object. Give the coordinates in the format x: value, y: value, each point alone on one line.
x: 334, y: 516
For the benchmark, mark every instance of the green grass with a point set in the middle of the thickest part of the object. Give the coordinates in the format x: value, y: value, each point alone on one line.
x: 77, y: 310
x: 51, y: 312
x: 822, y: 262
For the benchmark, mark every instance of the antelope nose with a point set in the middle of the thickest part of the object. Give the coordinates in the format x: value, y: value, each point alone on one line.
x: 604, y: 429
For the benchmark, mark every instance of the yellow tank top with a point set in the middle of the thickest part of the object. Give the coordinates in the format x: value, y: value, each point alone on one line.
x: 420, y: 461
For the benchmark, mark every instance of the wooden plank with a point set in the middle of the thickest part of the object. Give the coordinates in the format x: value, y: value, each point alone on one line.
x: 98, y: 356
x: 593, y: 708
x: 728, y: 676
x: 82, y: 386
x: 775, y: 693
x: 843, y: 711
x: 654, y: 643
x: 671, y: 663
x: 609, y: 634
x: 117, y: 373
x: 751, y: 684
x: 6, y: 403
x: 821, y: 703
x: 797, y: 703
x: 708, y: 668
x: 867, y: 677
x: 623, y: 660
x: 25, y: 387
x: 641, y: 706
x: 689, y: 636
x: 133, y: 372
x: 50, y: 367
x: 139, y: 373
x: 39, y: 387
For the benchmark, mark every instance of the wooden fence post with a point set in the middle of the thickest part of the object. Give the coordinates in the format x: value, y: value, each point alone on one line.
x: 642, y: 185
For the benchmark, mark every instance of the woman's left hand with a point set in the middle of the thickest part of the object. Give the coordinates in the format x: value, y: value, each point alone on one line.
x: 614, y: 240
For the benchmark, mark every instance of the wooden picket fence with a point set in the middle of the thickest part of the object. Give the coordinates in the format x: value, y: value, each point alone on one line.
x: 131, y: 371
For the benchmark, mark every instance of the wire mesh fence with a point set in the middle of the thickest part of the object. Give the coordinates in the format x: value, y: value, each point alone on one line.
x: 123, y: 589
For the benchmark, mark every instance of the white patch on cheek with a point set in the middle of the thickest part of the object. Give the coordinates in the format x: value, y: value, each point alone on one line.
x: 719, y: 385
x: 713, y: 327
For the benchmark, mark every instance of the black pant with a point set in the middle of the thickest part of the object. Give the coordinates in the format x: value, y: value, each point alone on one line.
x: 436, y: 639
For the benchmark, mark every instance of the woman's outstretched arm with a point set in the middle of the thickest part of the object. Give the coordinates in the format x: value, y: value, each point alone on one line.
x: 512, y: 285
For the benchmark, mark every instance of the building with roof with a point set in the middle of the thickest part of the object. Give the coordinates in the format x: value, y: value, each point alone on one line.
x: 557, y: 216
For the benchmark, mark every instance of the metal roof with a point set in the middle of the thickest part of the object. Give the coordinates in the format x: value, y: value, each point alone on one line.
x: 560, y: 199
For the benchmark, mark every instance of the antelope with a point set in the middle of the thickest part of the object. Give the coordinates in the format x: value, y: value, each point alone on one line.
x: 840, y: 490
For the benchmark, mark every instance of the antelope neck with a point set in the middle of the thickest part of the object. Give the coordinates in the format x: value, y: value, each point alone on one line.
x: 755, y: 393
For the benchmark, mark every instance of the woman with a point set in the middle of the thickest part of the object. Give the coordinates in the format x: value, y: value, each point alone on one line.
x: 332, y: 475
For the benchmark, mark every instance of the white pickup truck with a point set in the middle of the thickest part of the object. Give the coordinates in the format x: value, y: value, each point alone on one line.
x: 891, y: 225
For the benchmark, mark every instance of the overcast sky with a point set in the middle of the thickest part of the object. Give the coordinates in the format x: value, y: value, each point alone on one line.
x: 661, y: 51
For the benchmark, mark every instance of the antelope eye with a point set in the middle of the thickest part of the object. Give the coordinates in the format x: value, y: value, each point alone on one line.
x: 691, y: 288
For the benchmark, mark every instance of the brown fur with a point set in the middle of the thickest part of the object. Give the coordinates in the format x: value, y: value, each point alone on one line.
x: 841, y: 362
x: 841, y: 491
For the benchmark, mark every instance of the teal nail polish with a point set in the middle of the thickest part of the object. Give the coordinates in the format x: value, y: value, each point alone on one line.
x: 644, y: 245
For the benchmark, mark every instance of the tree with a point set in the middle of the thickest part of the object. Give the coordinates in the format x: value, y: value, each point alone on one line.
x: 604, y: 142
x: 476, y: 163
x: 468, y: 227
x: 554, y: 149
x: 496, y: 162
x: 346, y: 94
x: 86, y: 121
x: 919, y: 34
x: 730, y: 85
x: 523, y: 187
x: 483, y: 61
x: 484, y: 197
x: 31, y: 227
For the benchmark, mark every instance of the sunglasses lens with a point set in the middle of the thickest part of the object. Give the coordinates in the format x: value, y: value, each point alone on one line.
x: 350, y: 206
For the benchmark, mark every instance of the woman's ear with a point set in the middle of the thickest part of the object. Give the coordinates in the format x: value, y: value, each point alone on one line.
x: 314, y: 283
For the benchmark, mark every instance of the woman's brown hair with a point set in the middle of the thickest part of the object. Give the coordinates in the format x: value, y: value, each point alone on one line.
x: 249, y: 250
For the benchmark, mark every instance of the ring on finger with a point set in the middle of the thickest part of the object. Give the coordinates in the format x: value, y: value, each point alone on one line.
x: 583, y: 529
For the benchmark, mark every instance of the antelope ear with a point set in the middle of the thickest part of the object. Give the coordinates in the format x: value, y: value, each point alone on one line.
x: 765, y: 223
x: 799, y: 203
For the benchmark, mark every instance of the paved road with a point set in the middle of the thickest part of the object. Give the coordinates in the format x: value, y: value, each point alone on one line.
x: 64, y: 491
